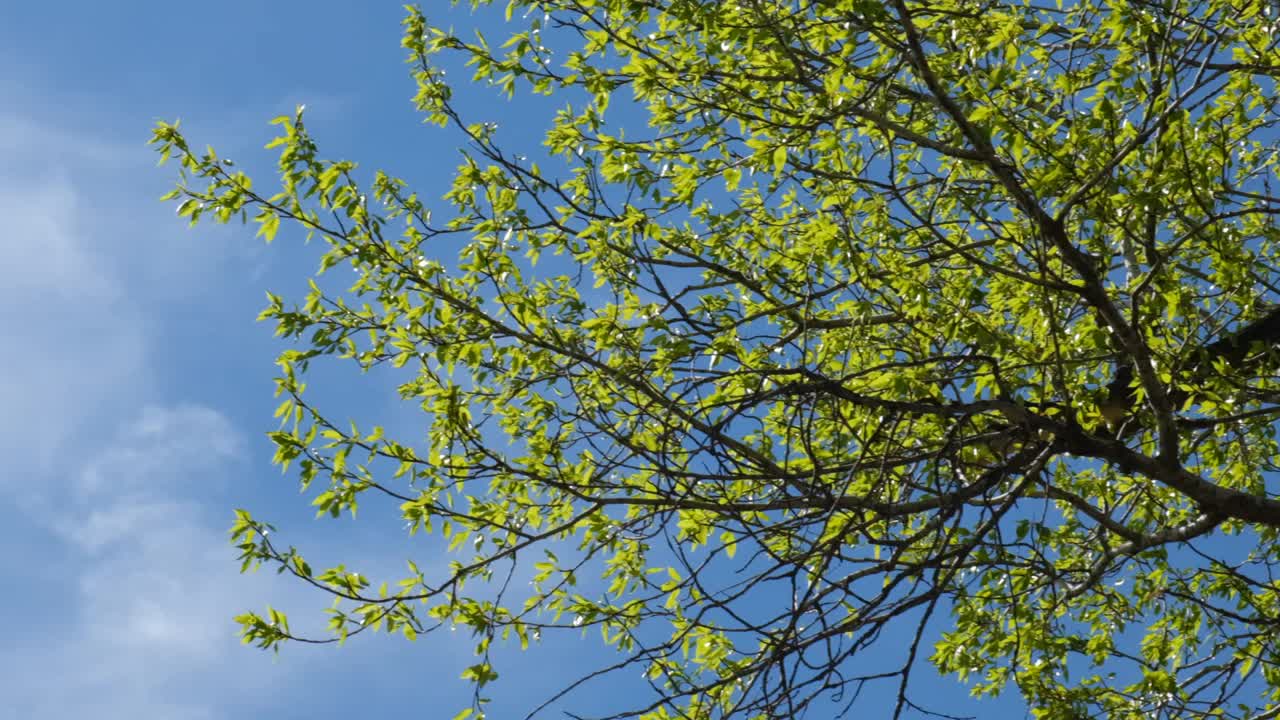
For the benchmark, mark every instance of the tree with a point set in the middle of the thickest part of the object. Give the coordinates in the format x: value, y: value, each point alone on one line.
x: 926, y: 332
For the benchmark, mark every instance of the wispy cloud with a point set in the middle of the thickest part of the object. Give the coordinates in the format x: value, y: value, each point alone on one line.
x: 128, y: 583
x: 115, y: 493
x: 72, y: 341
x: 150, y: 576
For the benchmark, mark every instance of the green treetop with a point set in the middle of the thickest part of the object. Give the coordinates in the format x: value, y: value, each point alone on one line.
x: 887, y: 334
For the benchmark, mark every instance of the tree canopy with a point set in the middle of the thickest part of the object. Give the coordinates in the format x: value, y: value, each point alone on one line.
x: 822, y: 341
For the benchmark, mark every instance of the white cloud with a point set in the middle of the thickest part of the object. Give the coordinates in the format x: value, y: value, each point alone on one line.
x: 31, y: 142
x: 129, y: 583
x: 42, y: 244
x: 71, y: 342
x: 151, y: 586
x: 147, y: 449
x: 155, y: 586
x: 138, y: 490
x: 126, y: 584
x: 91, y: 267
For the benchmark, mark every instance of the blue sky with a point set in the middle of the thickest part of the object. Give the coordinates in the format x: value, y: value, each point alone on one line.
x: 136, y: 387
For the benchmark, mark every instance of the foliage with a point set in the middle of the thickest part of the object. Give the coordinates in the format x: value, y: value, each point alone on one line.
x: 881, y: 334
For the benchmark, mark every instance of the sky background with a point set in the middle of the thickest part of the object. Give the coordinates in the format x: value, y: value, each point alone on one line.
x: 136, y: 388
